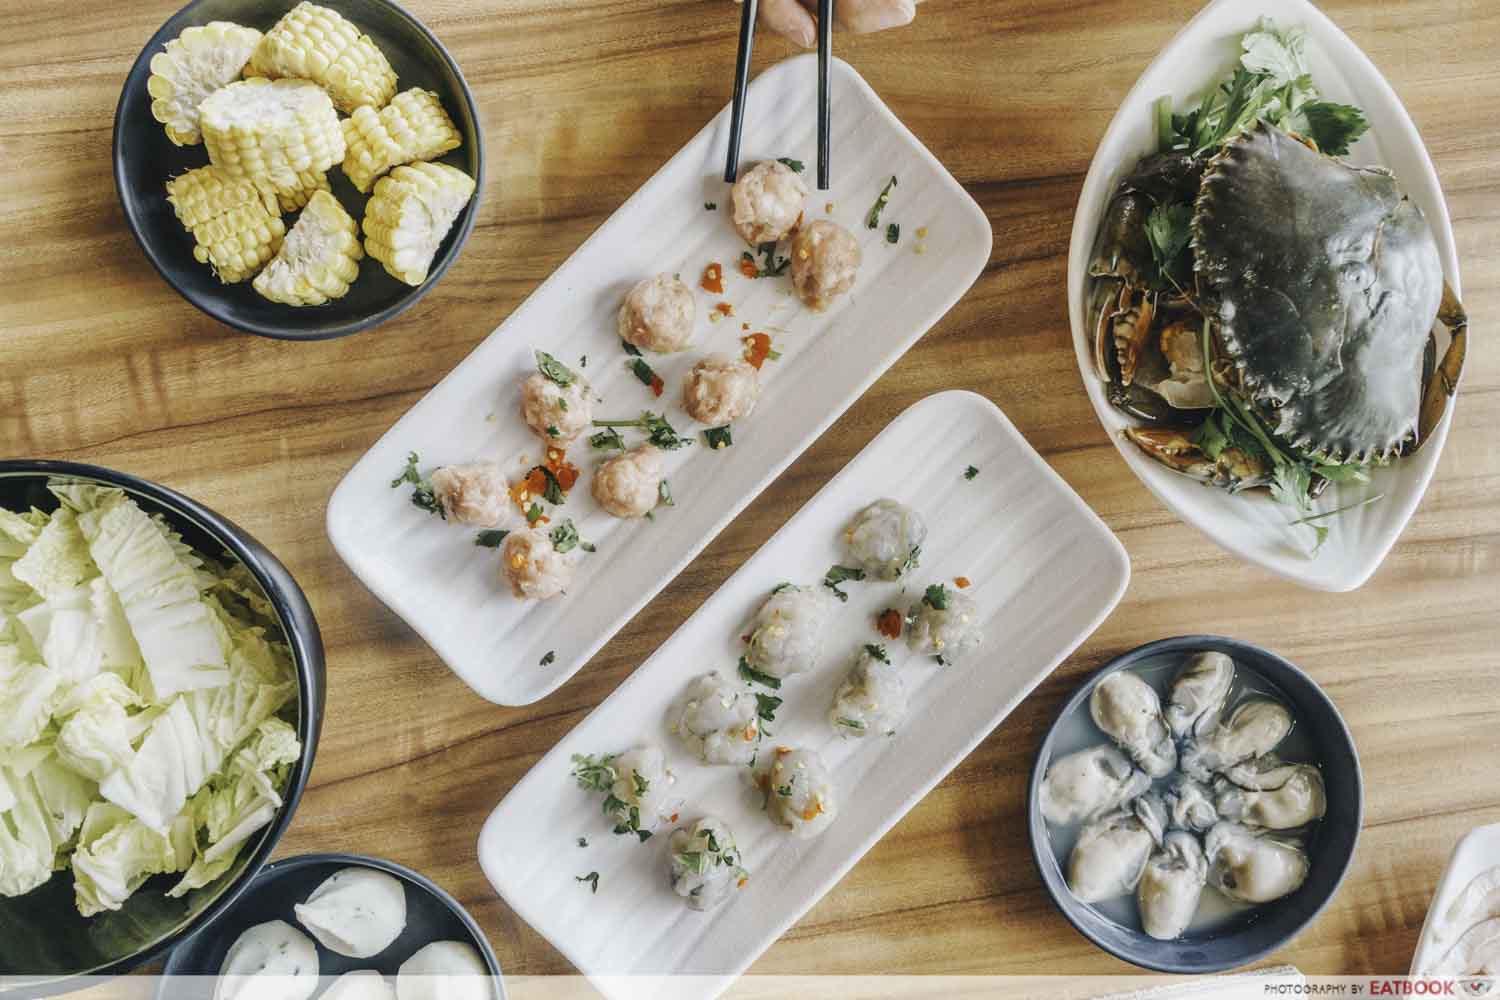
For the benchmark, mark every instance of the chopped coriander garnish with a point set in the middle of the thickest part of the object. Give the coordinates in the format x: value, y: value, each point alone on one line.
x: 710, y: 206
x: 785, y: 791
x: 664, y: 494
x: 606, y: 440
x: 772, y: 266
x: 718, y: 437
x: 583, y: 362
x: 893, y: 233
x: 630, y: 348
x: 642, y: 785
x: 877, y: 651
x: 936, y: 597
x: 850, y: 723
x: 642, y: 371
x: 552, y: 492
x: 595, y: 774
x: 583, y: 841
x: 422, y: 496
x: 565, y: 536
x: 592, y: 878
x: 533, y: 513
x: 872, y: 219
x: 912, y: 559
x: 783, y: 587
x: 766, y: 706
x: 549, y: 657
x: 753, y: 676
x: 658, y: 431
x: 554, y: 369
x: 491, y: 538
x: 797, y: 166
x: 839, y: 574
x: 587, y: 546
x: 971, y: 472
x: 552, y: 430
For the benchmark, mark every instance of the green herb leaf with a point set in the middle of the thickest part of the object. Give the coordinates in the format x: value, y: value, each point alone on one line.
x: 606, y: 440
x: 877, y: 651
x: 664, y: 494
x: 595, y: 774
x: 851, y: 723
x: 552, y: 492
x: 554, y: 369
x: 533, y: 513
x: 565, y: 536
x: 1334, y: 127
x: 583, y: 841
x: 710, y: 206
x: 630, y: 348
x: 642, y: 371
x: 893, y: 233
x: 936, y: 597
x: 658, y: 431
x: 840, y: 574
x: 422, y: 495
x: 913, y: 559
x: 872, y: 218
x: 753, y: 676
x: 718, y: 437
x: 549, y: 657
x: 772, y: 266
x: 592, y: 878
x: 796, y: 165
x: 783, y: 586
x: 971, y: 472
x: 1169, y: 229
x: 1290, y: 483
x: 766, y: 706
x: 490, y: 538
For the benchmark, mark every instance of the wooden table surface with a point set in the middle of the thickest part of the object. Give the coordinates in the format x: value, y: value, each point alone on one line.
x: 582, y: 100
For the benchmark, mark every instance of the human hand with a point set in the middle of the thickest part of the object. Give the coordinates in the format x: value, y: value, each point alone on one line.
x: 795, y: 20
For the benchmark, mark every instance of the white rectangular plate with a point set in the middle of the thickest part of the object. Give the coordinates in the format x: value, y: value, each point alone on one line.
x: 1477, y: 852
x: 1252, y: 526
x: 451, y: 593
x: 1045, y: 572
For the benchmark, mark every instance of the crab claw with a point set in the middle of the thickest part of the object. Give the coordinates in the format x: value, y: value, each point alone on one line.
x: 1443, y: 381
x: 1175, y: 448
x: 1131, y: 328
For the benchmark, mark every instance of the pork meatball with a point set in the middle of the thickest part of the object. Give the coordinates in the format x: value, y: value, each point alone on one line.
x: 767, y: 202
x: 872, y: 698
x: 629, y: 485
x: 944, y: 624
x: 799, y: 792
x: 720, y: 390
x: 786, y: 635
x: 475, y: 493
x: 658, y: 315
x: 825, y: 258
x: 703, y: 863
x: 535, y: 569
x: 885, y: 538
x: 556, y: 413
x: 718, y: 719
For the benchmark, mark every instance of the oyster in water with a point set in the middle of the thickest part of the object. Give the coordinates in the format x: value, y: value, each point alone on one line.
x: 1299, y: 800
x: 1171, y: 886
x: 1198, y: 694
x: 1252, y: 730
x: 1251, y: 867
x: 1151, y: 810
x: 1128, y: 709
x: 1191, y: 805
x: 1085, y: 784
x: 1109, y: 857
x: 1262, y: 773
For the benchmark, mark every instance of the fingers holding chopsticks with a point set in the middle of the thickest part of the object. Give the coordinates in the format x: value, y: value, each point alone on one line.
x: 796, y: 20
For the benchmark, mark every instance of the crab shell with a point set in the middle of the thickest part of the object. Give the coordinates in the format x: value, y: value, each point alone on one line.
x: 1324, y: 280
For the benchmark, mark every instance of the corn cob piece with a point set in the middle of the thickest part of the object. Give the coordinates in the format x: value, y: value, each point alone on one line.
x: 207, y: 192
x: 193, y: 65
x: 318, y: 44
x: 309, y: 182
x: 271, y: 131
x: 318, y: 259
x: 239, y: 242
x: 413, y: 126
x: 410, y: 212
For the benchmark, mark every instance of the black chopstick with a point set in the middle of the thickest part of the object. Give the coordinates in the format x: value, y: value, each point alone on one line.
x: 825, y: 53
x: 741, y: 78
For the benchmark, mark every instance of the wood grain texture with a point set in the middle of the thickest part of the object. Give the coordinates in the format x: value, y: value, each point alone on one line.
x: 582, y: 100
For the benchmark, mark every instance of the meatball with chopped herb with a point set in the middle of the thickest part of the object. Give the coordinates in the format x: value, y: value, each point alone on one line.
x: 944, y: 624
x: 475, y: 493
x: 872, y: 698
x: 825, y: 259
x: 786, y: 634
x: 557, y: 412
x: 718, y: 719
x: 658, y: 315
x: 799, y: 792
x: 637, y: 788
x: 720, y: 390
x: 703, y: 863
x: 630, y: 485
x: 534, y: 567
x: 886, y: 538
x: 767, y: 201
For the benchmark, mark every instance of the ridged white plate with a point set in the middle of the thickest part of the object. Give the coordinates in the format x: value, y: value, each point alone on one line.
x: 1252, y: 526
x: 1045, y: 572
x: 451, y: 593
x: 1478, y: 851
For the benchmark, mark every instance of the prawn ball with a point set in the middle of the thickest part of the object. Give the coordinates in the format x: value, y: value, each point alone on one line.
x: 825, y: 258
x: 642, y: 790
x: 472, y: 494
x: 944, y: 623
x: 786, y: 635
x: 767, y: 202
x: 720, y: 389
x: 718, y: 719
x: 535, y: 569
x: 885, y: 538
x: 872, y: 698
x: 703, y: 863
x: 629, y: 485
x: 556, y: 413
x: 799, y: 792
x: 658, y: 315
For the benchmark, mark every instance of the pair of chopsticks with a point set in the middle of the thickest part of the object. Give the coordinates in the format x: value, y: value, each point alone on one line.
x: 748, y: 11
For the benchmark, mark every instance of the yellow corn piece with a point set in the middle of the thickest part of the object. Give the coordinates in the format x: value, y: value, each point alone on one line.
x: 413, y: 126
x: 207, y: 192
x: 410, y: 212
x: 318, y: 259
x: 309, y: 182
x: 193, y: 65
x: 271, y: 131
x: 237, y: 243
x: 315, y: 43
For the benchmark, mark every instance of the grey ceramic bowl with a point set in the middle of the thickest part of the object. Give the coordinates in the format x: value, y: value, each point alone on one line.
x: 1256, y: 933
x: 44, y: 943
x: 431, y: 915
x: 144, y: 159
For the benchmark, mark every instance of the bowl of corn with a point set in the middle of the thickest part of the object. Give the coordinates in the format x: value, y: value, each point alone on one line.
x: 298, y: 170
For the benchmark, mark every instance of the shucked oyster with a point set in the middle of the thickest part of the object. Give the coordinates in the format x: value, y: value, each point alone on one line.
x: 1262, y: 773
x: 1171, y: 886
x: 1084, y: 784
x: 1128, y: 709
x: 1296, y: 802
x: 1109, y: 857
x: 1191, y: 805
x: 1198, y: 694
x: 1252, y: 729
x: 1252, y: 867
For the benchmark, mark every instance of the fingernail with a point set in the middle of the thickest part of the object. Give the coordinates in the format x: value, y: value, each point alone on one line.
x: 893, y: 14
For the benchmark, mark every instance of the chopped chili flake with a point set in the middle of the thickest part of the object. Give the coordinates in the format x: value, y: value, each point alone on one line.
x: 888, y: 623
x: 744, y: 326
x: 748, y: 268
x: 757, y: 348
x: 724, y: 309
x: 657, y: 385
x: 961, y: 582
x: 713, y: 279
x: 741, y: 883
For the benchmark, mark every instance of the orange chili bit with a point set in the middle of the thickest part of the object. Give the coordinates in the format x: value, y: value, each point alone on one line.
x: 657, y: 385
x: 744, y: 326
x: 888, y: 623
x: 713, y: 279
x: 536, y: 481
x: 961, y: 582
x: 757, y: 348
x: 747, y: 268
x: 741, y: 883
x: 725, y: 309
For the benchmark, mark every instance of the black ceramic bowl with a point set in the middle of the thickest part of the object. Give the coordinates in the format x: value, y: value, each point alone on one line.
x: 145, y: 159
x: 44, y: 943
x: 1255, y: 933
x: 431, y: 915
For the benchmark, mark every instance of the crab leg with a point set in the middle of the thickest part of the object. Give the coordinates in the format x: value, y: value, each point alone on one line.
x: 1175, y: 448
x: 1444, y: 379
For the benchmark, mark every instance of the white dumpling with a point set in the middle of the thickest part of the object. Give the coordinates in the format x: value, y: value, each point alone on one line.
x: 944, y: 623
x: 718, y: 719
x: 703, y: 863
x: 720, y: 390
x: 1088, y: 783
x: 885, y: 538
x: 444, y: 970
x: 825, y: 260
x: 474, y: 494
x: 658, y: 315
x: 629, y: 485
x: 270, y: 961
x: 366, y: 984
x: 872, y: 698
x: 556, y: 413
x: 535, y: 569
x: 766, y: 202
x: 356, y: 912
x: 786, y: 634
x: 799, y: 792
x: 643, y: 787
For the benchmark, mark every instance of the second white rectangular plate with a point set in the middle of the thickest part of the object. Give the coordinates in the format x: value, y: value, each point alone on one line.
x: 1045, y: 572
x: 451, y: 593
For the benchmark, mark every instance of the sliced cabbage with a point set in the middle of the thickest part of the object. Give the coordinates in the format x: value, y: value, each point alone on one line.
x: 44, y: 808
x: 17, y: 533
x: 117, y: 853
x: 58, y: 561
x: 65, y: 631
x: 28, y: 692
x: 98, y: 732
